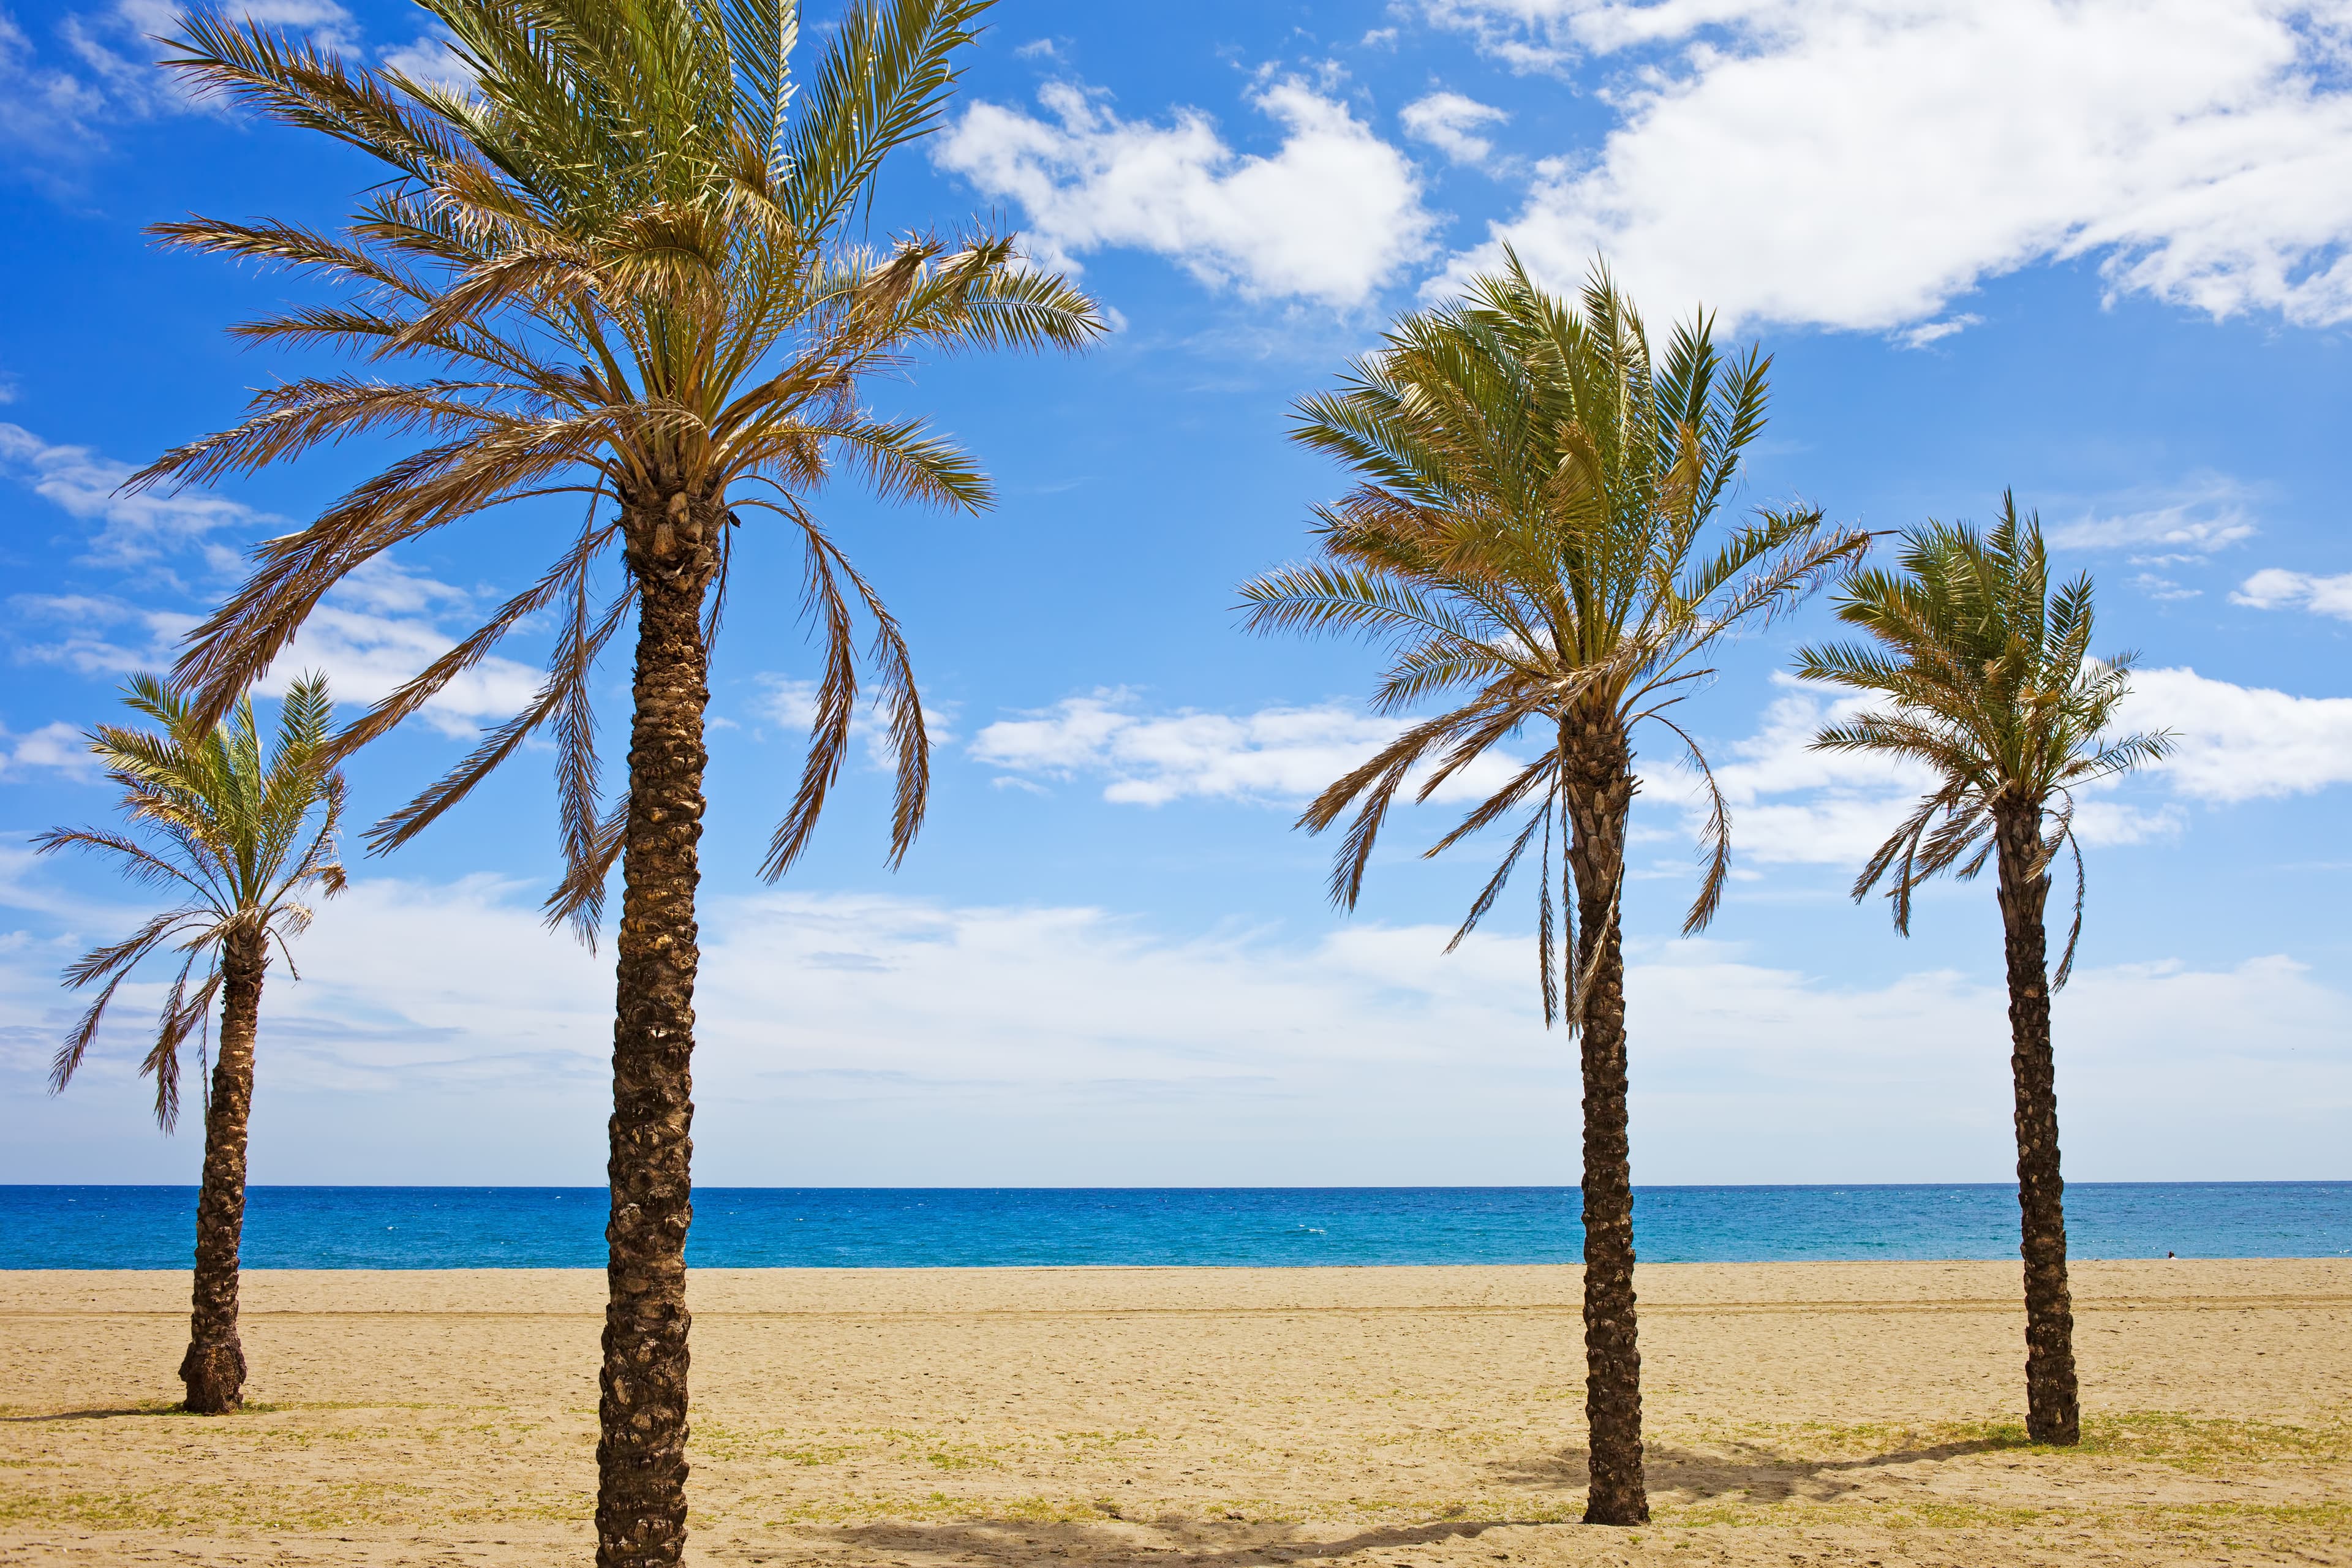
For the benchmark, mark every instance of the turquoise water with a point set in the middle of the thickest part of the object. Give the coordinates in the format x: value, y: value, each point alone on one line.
x: 762, y: 1227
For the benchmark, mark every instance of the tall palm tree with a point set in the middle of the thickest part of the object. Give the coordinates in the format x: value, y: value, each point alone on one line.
x: 241, y: 838
x: 1527, y: 534
x: 627, y: 250
x: 1990, y: 684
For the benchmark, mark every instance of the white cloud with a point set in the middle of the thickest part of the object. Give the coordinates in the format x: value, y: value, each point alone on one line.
x: 2164, y: 589
x: 379, y: 627
x: 431, y: 57
x: 56, y: 111
x: 43, y: 110
x: 1793, y: 806
x: 1276, y: 754
x: 789, y: 702
x: 1330, y: 216
x: 57, y: 748
x: 859, y: 1038
x: 90, y: 632
x: 1860, y: 163
x: 2204, y: 513
x: 2242, y: 743
x: 1928, y: 332
x: 132, y: 529
x: 1449, y: 123
x: 2274, y: 588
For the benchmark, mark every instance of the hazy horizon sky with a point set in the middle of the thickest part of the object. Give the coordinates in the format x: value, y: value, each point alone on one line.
x: 2096, y: 251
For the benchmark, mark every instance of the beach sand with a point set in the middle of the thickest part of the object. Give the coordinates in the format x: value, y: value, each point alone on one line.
x: 1864, y: 1414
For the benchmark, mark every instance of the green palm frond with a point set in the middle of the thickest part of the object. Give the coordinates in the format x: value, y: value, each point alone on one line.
x: 622, y: 263
x: 1534, y: 495
x: 1989, y: 683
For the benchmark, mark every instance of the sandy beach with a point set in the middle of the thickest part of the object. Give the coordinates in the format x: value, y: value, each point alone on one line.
x: 1864, y: 1414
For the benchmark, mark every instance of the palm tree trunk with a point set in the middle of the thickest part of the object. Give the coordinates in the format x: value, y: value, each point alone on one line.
x: 2051, y: 1412
x: 213, y: 1368
x: 641, y: 1452
x: 1599, y: 773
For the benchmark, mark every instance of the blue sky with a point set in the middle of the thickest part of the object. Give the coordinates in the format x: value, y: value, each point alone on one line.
x: 2090, y: 252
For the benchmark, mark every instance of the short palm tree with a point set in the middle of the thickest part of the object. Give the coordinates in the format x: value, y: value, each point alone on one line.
x: 623, y: 257
x: 1988, y: 674
x: 1528, y: 534
x: 240, y: 839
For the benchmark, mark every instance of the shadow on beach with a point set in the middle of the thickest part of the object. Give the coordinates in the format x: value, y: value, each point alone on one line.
x: 1756, y: 1475
x: 1200, y: 1542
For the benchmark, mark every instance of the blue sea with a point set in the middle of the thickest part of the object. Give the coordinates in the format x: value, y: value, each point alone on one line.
x: 782, y: 1228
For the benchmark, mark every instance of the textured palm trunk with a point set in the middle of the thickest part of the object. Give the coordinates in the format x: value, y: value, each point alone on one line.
x: 1600, y: 778
x: 641, y: 1451
x: 2051, y: 1412
x: 213, y: 1368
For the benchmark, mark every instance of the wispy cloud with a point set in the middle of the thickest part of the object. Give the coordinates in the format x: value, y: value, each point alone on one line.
x: 1279, y: 755
x: 2204, y: 513
x: 131, y: 530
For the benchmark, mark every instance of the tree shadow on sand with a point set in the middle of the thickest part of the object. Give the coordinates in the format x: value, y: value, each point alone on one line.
x: 1200, y: 1543
x: 1751, y: 1471
x: 111, y: 1413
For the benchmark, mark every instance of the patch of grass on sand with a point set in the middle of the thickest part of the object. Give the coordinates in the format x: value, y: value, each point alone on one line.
x: 187, y: 1506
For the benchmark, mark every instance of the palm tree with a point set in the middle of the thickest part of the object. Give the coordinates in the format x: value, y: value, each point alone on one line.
x: 1992, y: 688
x: 241, y: 838
x: 623, y: 257
x: 1527, y: 533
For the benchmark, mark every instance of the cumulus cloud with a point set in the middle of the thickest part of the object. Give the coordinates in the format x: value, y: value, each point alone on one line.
x: 430, y: 57
x: 1330, y: 216
x: 2275, y: 588
x: 1449, y: 123
x: 1281, y: 755
x: 53, y: 748
x: 1793, y: 806
x: 2242, y: 743
x: 1860, y: 163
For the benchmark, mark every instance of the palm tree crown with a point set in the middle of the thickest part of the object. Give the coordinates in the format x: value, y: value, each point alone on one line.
x: 242, y: 837
x: 1992, y: 688
x: 621, y: 255
x: 1527, y: 531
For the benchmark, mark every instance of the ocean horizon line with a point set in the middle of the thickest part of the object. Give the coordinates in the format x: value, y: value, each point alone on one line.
x: 148, y: 1225
x: 602, y: 1190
